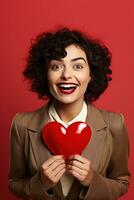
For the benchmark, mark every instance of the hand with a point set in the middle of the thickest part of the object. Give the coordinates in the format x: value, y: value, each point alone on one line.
x: 51, y: 171
x: 80, y: 168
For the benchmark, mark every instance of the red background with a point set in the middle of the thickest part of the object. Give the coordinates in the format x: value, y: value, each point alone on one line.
x: 111, y: 21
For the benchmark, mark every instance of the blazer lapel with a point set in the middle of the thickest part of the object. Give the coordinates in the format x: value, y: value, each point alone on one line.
x: 98, y: 127
x: 40, y: 151
x: 94, y: 148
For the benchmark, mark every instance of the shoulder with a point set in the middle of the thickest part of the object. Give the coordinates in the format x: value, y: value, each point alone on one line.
x: 117, y: 126
x: 114, y: 120
x: 119, y: 131
x: 23, y: 119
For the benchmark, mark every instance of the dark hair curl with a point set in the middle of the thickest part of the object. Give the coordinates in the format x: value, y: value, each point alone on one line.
x: 51, y: 45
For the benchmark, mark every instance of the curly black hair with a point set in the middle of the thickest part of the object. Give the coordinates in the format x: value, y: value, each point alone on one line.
x: 51, y: 45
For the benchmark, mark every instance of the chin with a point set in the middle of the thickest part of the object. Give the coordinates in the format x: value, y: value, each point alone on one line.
x: 69, y: 100
x: 66, y: 101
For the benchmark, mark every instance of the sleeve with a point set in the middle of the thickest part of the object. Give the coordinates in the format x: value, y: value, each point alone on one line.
x: 117, y: 177
x: 19, y: 180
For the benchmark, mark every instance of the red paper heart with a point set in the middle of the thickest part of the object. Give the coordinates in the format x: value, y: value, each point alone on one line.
x: 66, y: 141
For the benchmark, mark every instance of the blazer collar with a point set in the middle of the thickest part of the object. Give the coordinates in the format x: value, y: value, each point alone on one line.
x: 95, y: 118
x: 40, y: 118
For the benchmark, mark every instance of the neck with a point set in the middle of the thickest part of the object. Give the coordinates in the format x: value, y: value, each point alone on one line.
x: 68, y: 111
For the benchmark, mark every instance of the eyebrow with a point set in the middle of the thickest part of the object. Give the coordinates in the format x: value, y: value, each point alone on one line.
x: 74, y: 59
x: 78, y: 58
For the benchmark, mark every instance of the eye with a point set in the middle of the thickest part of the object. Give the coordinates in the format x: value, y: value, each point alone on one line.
x: 77, y: 67
x: 56, y: 67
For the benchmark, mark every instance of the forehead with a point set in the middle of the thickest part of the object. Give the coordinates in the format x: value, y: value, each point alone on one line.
x: 74, y: 51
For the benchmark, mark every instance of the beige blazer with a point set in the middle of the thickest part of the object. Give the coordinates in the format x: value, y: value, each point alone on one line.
x: 108, y: 150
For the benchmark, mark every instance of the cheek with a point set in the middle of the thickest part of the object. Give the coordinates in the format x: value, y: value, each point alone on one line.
x: 89, y: 79
x: 85, y: 79
x: 51, y: 78
x: 50, y: 82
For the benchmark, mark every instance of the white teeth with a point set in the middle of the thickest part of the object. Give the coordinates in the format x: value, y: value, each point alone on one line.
x: 67, y: 85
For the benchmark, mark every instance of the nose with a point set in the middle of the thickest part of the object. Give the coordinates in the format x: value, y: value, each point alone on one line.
x: 66, y: 73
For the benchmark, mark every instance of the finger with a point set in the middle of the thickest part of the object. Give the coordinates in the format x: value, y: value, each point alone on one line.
x: 78, y: 170
x: 52, y: 170
x: 56, y: 170
x: 80, y: 165
x: 59, y: 175
x: 79, y: 158
x: 51, y: 160
x: 77, y: 175
x: 55, y: 164
x: 59, y: 170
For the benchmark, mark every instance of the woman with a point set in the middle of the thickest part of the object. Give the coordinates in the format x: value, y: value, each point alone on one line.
x: 72, y: 71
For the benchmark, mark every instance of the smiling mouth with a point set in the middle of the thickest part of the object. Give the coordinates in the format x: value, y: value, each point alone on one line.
x: 67, y: 88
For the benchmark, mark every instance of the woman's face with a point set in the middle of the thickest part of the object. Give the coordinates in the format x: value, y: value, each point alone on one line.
x: 68, y: 77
